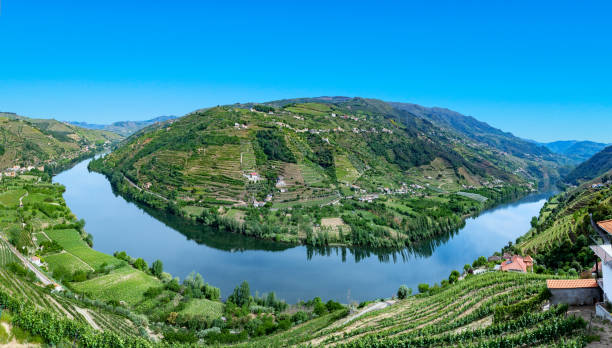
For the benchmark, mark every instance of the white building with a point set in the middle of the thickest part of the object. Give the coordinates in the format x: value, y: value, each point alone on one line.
x: 604, y: 252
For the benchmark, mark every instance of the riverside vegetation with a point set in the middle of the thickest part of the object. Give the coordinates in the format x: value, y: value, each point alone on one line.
x: 349, y: 172
x: 121, y: 301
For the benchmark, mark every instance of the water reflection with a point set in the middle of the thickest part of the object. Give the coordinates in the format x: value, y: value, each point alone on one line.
x: 293, y: 272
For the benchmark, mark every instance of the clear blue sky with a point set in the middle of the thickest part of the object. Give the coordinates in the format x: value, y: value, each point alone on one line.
x: 541, y: 70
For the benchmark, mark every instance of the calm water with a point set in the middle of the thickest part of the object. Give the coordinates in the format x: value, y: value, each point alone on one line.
x: 294, y: 273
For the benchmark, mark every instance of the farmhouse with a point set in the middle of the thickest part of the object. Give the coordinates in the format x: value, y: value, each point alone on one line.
x: 36, y: 260
x: 253, y: 176
x: 517, y: 264
x: 575, y: 292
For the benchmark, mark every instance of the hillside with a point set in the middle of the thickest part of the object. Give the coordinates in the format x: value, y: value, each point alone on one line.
x: 597, y: 165
x: 577, y: 151
x: 356, y: 172
x: 536, y: 160
x: 124, y: 128
x: 121, y: 301
x: 44, y: 142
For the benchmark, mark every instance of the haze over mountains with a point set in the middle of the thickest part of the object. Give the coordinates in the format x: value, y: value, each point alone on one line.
x: 578, y: 151
x: 123, y: 128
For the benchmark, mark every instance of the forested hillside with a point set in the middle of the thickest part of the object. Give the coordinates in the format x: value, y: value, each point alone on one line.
x: 597, y: 165
x: 44, y: 142
x: 536, y: 159
x: 355, y: 171
x: 577, y: 151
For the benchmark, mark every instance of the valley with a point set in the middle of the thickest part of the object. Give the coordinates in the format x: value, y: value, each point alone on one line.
x: 353, y: 171
x: 304, y: 229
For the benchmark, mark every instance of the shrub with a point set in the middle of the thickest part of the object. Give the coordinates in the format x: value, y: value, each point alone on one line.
x: 403, y: 292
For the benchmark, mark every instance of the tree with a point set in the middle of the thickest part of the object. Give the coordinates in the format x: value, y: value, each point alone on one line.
x: 423, y: 288
x: 534, y: 222
x: 140, y: 264
x: 241, y: 295
x: 467, y: 267
x: 157, y: 268
x: 481, y: 261
x: 403, y: 292
x: 454, y: 276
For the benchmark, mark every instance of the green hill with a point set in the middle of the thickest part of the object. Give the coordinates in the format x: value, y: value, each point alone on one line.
x: 577, y: 151
x: 124, y: 128
x: 118, y: 301
x: 597, y: 165
x: 351, y: 171
x: 45, y: 142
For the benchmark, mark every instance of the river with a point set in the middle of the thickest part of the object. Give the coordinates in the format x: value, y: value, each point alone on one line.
x: 294, y: 273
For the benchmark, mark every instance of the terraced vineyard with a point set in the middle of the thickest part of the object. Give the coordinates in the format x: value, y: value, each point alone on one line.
x: 295, y: 156
x: 495, y: 309
x: 42, y: 299
x: 6, y: 256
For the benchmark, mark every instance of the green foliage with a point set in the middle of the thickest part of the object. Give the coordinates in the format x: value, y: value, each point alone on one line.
x: 157, y: 268
x: 403, y: 292
x: 423, y: 288
x: 274, y: 146
x: 263, y: 108
x: 241, y: 295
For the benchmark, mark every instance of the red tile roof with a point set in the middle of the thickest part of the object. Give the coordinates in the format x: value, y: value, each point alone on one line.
x: 571, y: 283
x: 514, y: 264
x: 605, y: 225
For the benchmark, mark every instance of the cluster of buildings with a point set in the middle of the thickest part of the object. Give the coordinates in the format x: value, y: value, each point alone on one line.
x: 14, y: 170
x: 594, y: 290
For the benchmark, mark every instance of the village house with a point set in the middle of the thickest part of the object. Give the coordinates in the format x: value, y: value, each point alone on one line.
x: 517, y: 263
x: 368, y: 198
x: 253, y: 176
x: 36, y: 260
x: 494, y: 258
x: 147, y: 185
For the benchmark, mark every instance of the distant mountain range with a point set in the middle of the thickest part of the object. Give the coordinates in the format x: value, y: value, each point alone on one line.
x: 594, y: 167
x: 28, y: 141
x: 577, y: 151
x: 124, y: 128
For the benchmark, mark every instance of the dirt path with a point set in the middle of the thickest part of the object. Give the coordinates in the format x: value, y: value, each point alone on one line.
x: 598, y: 327
x: 377, y: 306
x: 22, y: 197
x: 88, y: 318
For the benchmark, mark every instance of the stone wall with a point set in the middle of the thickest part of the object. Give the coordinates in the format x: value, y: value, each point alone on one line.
x: 576, y: 297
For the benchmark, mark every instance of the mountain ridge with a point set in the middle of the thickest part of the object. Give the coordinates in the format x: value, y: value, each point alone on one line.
x: 124, y: 128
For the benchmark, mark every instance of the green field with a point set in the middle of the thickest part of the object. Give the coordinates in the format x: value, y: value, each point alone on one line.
x: 204, y: 307
x: 72, y: 242
x: 11, y: 198
x: 125, y: 283
x: 66, y: 260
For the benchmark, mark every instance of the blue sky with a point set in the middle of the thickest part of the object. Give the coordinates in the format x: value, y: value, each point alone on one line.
x: 542, y: 70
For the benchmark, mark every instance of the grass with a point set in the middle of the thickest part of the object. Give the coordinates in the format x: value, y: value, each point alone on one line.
x: 207, y: 308
x: 11, y: 198
x: 193, y: 210
x: 345, y: 172
x: 126, y: 284
x: 71, y: 241
x: 66, y: 260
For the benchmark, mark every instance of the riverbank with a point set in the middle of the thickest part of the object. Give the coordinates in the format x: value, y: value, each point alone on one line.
x: 391, y: 221
x: 226, y: 259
